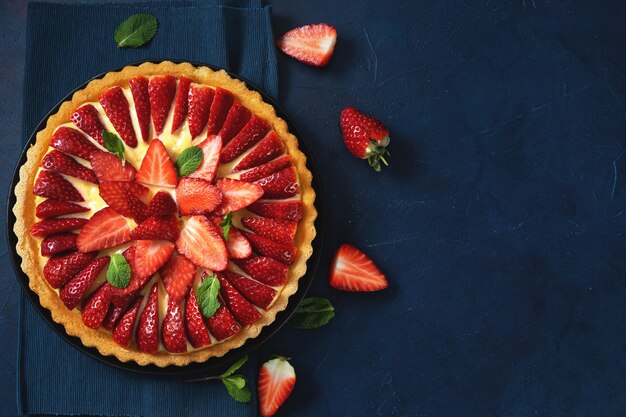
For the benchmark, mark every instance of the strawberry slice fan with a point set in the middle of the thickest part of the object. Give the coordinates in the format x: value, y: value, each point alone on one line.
x: 177, y: 236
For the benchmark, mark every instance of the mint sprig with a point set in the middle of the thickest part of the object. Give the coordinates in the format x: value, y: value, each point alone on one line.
x: 313, y: 312
x: 236, y: 384
x: 114, y: 144
x: 226, y: 224
x: 136, y: 30
x: 207, y: 294
x: 118, y: 273
x: 189, y: 160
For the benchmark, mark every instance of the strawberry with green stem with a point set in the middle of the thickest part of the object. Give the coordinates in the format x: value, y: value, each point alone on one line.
x: 365, y: 137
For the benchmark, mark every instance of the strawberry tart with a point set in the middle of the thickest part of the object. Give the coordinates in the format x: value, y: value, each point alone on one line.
x: 165, y: 214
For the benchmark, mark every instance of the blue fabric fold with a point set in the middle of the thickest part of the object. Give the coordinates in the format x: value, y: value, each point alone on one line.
x: 66, y: 45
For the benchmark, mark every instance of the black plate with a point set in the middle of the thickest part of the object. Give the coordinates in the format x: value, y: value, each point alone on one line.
x: 212, y: 366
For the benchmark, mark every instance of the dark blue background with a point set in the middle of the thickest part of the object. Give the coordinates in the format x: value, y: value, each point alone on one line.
x: 499, y: 222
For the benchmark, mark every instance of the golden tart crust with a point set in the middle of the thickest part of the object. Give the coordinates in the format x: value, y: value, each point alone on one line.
x: 28, y: 247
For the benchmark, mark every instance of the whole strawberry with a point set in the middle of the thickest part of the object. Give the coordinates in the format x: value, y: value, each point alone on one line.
x: 365, y: 137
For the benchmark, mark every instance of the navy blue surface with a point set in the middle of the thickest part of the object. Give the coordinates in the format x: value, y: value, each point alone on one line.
x: 499, y: 223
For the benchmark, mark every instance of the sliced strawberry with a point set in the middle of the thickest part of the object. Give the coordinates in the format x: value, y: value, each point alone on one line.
x: 222, y: 102
x: 87, y: 119
x: 285, y: 210
x: 211, y: 148
x: 148, y: 327
x: 281, y: 184
x: 162, y: 90
x: 269, y: 148
x: 173, y: 331
x: 52, y: 185
x: 55, y: 244
x: 195, y: 326
x: 73, y: 291
x: 238, y: 116
x: 280, y: 231
x: 96, y: 308
x: 236, y: 244
x: 115, y: 312
x: 72, y: 142
x: 276, y: 381
x: 259, y: 294
x: 196, y: 196
x: 262, y: 246
x: 114, y: 193
x: 157, y: 228
x: 244, y: 312
x: 200, y: 100
x: 201, y: 242
x: 157, y: 167
x: 264, y: 269
x: 264, y: 170
x: 352, y: 270
x: 121, y: 296
x: 162, y: 204
x: 53, y: 226
x: 252, y: 132
x: 311, y: 44
x: 138, y: 208
x: 106, y: 229
x: 117, y: 110
x: 124, y: 329
x: 54, y: 208
x: 222, y: 324
x: 177, y: 275
x: 151, y: 255
x: 64, y: 164
x: 236, y: 194
x: 180, y: 103
x: 109, y: 167
x: 139, y: 89
x: 61, y: 268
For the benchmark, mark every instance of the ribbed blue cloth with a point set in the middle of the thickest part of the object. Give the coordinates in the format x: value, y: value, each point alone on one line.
x: 66, y: 45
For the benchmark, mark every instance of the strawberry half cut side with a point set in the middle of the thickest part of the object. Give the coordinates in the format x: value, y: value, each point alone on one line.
x: 352, y: 270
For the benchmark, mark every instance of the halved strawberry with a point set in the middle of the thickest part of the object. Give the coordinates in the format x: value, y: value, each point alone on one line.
x: 177, y: 275
x: 352, y: 270
x: 87, y: 119
x: 211, y: 148
x: 53, y: 226
x: 310, y: 44
x: 195, y: 326
x: 115, y: 194
x: 276, y: 381
x: 117, y: 109
x: 264, y: 170
x: 236, y: 244
x: 281, y: 184
x: 96, y: 308
x: 173, y: 331
x: 148, y: 326
x: 157, y: 228
x: 124, y: 328
x: 286, y: 210
x: 259, y: 294
x: 121, y: 296
x: 238, y: 116
x: 222, y: 324
x: 61, y: 268
x: 56, y: 244
x: 162, y: 204
x: 109, y: 167
x: 236, y: 194
x: 264, y: 269
x: 54, y: 208
x: 269, y: 148
x: 52, y: 185
x: 162, y: 90
x: 64, y: 164
x: 244, y: 312
x: 252, y: 132
x: 107, y: 228
x: 151, y: 255
x: 219, y: 110
x: 196, y: 196
x: 200, y: 100
x: 138, y: 208
x: 139, y: 89
x: 73, y: 291
x: 262, y: 246
x: 180, y: 103
x: 115, y: 312
x: 278, y: 230
x: 201, y: 242
x: 157, y: 167
x: 72, y: 142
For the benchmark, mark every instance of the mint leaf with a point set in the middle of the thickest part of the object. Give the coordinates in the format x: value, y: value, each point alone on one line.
x: 313, y: 312
x: 114, y: 144
x: 189, y: 160
x: 237, y: 388
x: 118, y: 273
x: 136, y: 30
x: 234, y: 367
x: 226, y: 224
x: 207, y: 294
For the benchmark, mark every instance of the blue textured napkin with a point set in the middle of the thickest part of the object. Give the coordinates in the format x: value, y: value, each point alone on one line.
x: 66, y: 45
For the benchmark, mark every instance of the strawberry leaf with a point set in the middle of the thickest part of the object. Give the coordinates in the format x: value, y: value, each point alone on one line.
x: 235, y: 366
x: 189, y: 160
x: 312, y: 313
x: 237, y: 388
x: 118, y: 273
x: 136, y: 30
x: 227, y: 224
x: 207, y: 294
x: 113, y: 144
